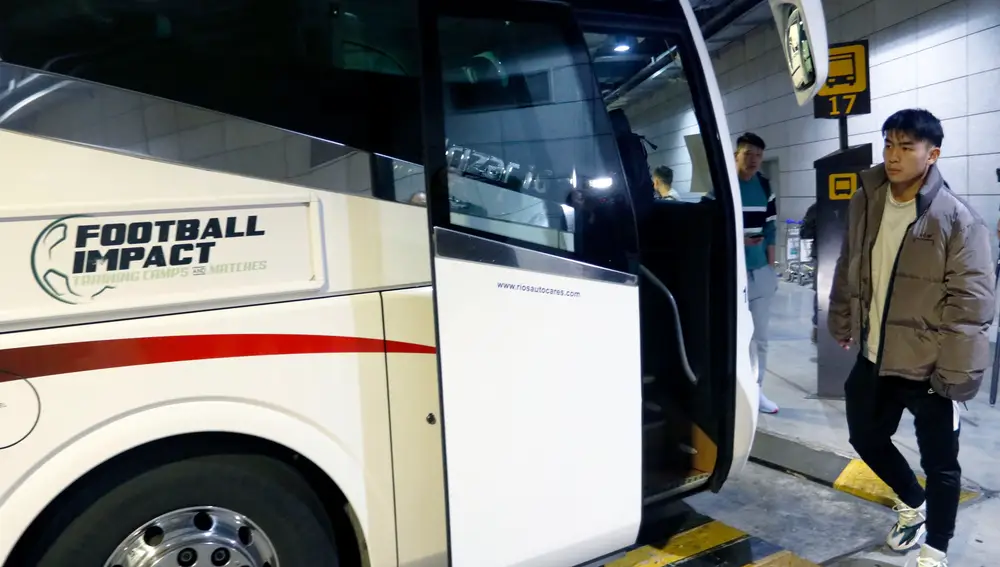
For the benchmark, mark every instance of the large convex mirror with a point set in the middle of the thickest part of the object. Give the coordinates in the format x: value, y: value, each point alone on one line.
x: 798, y: 52
x: 801, y: 25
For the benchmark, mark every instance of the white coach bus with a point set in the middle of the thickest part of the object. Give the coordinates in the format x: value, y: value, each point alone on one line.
x: 231, y: 336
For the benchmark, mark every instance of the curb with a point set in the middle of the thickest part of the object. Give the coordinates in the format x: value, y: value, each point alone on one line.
x: 824, y: 466
x: 709, y: 543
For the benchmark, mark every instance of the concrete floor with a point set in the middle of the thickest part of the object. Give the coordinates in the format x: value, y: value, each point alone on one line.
x: 975, y: 543
x: 790, y: 382
x: 811, y: 520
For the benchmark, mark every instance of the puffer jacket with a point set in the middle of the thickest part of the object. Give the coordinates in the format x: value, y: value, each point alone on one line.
x: 941, y: 296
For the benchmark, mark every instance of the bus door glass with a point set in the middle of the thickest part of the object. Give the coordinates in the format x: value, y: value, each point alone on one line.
x: 533, y: 244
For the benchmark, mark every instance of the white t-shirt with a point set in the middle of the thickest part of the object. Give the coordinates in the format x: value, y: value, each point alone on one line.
x: 896, y: 218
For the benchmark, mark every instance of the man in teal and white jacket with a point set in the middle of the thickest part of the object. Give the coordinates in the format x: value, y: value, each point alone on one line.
x: 759, y: 228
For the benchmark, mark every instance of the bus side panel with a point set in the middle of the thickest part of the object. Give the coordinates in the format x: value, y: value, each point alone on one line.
x: 328, y: 404
x: 747, y: 390
x: 373, y: 244
x: 356, y: 243
x: 415, y: 417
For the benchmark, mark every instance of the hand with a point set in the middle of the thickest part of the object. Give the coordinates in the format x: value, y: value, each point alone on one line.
x: 752, y: 240
x: 845, y: 344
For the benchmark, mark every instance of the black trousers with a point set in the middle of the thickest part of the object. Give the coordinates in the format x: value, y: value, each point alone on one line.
x: 875, y: 405
x: 815, y: 301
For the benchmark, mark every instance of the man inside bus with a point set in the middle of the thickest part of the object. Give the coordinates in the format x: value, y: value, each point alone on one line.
x: 759, y: 214
x: 663, y: 180
x: 917, y: 297
x: 419, y: 199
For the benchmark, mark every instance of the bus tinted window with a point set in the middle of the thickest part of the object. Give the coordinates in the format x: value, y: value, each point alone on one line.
x: 127, y: 122
x: 308, y: 66
x: 531, y: 152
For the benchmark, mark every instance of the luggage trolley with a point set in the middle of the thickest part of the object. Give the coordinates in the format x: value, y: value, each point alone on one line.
x: 798, y: 255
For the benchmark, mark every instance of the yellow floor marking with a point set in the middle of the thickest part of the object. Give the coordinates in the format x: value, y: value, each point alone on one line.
x: 708, y: 451
x: 782, y: 559
x: 859, y: 480
x: 682, y: 546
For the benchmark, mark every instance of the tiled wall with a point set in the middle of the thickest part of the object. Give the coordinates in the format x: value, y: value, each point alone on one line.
x: 123, y: 121
x: 177, y: 132
x: 560, y: 134
x: 667, y: 120
x: 939, y: 54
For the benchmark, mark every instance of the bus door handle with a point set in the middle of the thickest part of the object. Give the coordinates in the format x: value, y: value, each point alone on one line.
x: 679, y: 331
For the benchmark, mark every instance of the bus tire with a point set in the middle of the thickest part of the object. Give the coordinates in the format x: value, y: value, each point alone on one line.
x: 273, y: 496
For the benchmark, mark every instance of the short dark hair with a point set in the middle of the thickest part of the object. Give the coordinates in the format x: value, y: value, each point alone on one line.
x: 916, y: 123
x: 751, y: 139
x: 665, y: 174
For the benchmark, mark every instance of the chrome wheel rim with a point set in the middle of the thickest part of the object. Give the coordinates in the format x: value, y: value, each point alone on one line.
x: 196, y: 537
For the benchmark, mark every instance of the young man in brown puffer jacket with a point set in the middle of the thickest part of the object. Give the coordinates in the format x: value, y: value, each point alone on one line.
x: 914, y: 289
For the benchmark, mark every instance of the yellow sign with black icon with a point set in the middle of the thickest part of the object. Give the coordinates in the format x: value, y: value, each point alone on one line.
x: 847, y: 91
x: 842, y: 186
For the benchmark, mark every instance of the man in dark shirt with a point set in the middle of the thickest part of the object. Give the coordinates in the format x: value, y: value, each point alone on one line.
x: 808, y: 232
x: 663, y: 180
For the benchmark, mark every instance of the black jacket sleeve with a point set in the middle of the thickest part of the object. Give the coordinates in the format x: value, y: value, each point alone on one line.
x: 809, y: 223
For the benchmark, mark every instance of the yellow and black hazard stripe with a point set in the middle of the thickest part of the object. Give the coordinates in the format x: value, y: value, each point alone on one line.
x: 857, y: 478
x: 826, y: 467
x: 705, y: 542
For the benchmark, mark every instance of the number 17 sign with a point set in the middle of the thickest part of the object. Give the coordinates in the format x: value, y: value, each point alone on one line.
x: 847, y: 91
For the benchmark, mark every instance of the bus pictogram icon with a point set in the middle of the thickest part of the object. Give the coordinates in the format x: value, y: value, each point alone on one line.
x: 843, y: 70
x: 842, y: 186
x: 848, y: 72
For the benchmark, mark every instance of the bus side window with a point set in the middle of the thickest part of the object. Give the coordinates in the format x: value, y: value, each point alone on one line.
x: 129, y: 123
x: 240, y: 86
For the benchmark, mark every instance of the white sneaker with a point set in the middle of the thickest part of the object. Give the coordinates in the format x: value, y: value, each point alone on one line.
x: 909, y: 528
x: 767, y: 406
x: 929, y: 557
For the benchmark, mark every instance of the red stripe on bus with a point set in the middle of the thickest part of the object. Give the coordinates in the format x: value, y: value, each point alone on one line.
x: 47, y: 360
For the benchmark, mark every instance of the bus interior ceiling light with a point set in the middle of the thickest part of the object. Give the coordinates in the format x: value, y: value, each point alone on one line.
x: 600, y: 183
x: 622, y: 44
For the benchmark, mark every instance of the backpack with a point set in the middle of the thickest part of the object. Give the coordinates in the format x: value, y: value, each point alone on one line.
x: 766, y: 184
x: 632, y: 148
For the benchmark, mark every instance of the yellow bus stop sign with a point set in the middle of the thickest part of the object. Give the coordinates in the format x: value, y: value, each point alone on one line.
x: 847, y: 90
x: 848, y: 71
x: 843, y: 186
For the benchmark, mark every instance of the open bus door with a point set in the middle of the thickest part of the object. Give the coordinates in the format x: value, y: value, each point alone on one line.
x: 537, y: 275
x: 801, y: 27
x: 536, y: 299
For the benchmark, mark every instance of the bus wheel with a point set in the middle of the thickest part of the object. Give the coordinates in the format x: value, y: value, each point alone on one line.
x: 219, y: 511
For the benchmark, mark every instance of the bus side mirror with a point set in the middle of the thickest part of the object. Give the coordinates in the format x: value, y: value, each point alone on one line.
x: 802, y: 33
